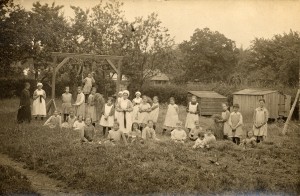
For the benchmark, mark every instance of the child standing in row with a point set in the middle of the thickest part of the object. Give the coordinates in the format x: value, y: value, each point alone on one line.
x: 143, y: 114
x: 178, y: 134
x: 225, y: 117
x: 154, y: 111
x: 235, y: 122
x: 66, y: 103
x: 91, y: 109
x: 118, y: 100
x: 193, y: 111
x: 80, y: 103
x: 88, y: 84
x: 125, y: 108
x: 171, y: 116
x: 136, y: 103
x: 260, y: 119
x: 107, y: 119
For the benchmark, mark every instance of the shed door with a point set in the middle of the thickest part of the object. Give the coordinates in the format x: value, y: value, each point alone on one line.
x: 281, y: 105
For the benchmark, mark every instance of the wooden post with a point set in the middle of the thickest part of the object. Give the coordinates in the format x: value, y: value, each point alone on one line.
x: 53, y: 77
x: 119, y: 76
x: 291, y: 113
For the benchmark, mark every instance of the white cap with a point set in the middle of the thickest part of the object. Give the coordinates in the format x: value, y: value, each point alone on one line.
x: 126, y: 92
x: 39, y: 84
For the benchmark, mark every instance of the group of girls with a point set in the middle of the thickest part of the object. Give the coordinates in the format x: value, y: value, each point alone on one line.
x: 138, y: 118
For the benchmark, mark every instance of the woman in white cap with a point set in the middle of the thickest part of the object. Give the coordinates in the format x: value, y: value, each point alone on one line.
x: 39, y: 104
x: 136, y: 104
x: 125, y: 108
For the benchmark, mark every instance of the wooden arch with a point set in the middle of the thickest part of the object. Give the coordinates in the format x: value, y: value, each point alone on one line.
x: 68, y: 56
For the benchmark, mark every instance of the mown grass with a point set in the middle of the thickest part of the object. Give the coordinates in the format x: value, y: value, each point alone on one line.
x: 156, y: 167
x: 12, y: 182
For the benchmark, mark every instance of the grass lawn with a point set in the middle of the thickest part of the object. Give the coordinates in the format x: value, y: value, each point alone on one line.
x: 12, y: 182
x: 155, y: 167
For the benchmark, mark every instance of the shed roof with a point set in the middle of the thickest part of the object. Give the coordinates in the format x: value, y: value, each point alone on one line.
x: 254, y: 92
x: 207, y: 94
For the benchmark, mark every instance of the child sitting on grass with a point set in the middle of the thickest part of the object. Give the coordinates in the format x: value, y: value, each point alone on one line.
x: 178, y: 134
x: 250, y: 141
x: 135, y: 134
x: 115, y: 135
x: 149, y: 132
x: 54, y: 121
x: 193, y: 135
x: 79, y: 123
x: 70, y: 120
x: 205, y: 140
x: 88, y: 131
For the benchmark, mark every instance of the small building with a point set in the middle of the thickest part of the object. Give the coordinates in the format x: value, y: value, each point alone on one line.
x: 159, y: 79
x: 210, y: 101
x: 278, y: 104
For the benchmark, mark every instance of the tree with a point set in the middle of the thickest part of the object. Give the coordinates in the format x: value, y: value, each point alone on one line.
x: 208, y: 56
x: 272, y: 61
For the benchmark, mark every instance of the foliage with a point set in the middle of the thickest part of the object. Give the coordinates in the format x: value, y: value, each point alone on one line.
x: 156, y: 167
x: 208, y: 56
x: 272, y: 61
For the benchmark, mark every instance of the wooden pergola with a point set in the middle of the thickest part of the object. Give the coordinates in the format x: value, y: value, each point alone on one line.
x: 67, y: 56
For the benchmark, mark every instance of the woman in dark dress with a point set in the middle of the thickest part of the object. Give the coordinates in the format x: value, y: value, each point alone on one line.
x: 24, y: 112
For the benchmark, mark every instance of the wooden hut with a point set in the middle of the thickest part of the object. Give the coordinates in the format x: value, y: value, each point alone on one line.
x: 210, y: 101
x: 278, y: 104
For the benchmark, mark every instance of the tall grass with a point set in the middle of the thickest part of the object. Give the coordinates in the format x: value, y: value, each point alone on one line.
x: 156, y: 167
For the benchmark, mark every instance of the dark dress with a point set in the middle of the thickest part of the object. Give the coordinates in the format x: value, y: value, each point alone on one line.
x: 24, y: 112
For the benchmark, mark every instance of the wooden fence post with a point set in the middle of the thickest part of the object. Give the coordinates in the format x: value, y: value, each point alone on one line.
x: 291, y: 113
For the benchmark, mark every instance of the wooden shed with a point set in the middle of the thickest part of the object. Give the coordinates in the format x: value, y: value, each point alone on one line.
x: 278, y: 104
x: 210, y: 101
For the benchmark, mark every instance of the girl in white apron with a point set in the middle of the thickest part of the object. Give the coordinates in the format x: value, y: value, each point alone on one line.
x: 136, y: 103
x: 154, y: 111
x: 193, y: 112
x: 171, y: 116
x: 39, y: 104
x: 107, y: 119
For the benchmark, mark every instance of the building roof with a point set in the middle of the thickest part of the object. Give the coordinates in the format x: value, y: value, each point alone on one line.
x: 207, y: 94
x: 254, y: 92
x: 160, y: 76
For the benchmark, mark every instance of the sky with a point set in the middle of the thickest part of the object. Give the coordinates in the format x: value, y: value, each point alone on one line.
x: 239, y: 20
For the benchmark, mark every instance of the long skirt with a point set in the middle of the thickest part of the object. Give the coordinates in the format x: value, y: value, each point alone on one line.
x: 66, y: 108
x: 109, y: 122
x: 125, y: 120
x: 80, y: 110
x: 135, y: 113
x: 190, y: 120
x: 39, y: 107
x: 24, y: 114
x: 91, y: 112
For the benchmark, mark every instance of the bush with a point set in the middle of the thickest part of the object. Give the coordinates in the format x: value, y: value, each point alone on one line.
x: 165, y: 92
x: 13, y: 87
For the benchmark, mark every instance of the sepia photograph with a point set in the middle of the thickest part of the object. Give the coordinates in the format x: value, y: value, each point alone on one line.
x: 150, y: 97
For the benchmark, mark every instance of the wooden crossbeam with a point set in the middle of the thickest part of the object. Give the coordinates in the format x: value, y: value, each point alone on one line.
x: 86, y: 56
x: 112, y: 65
x: 62, y: 63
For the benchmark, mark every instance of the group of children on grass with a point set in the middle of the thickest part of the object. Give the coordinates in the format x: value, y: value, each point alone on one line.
x: 136, y: 120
